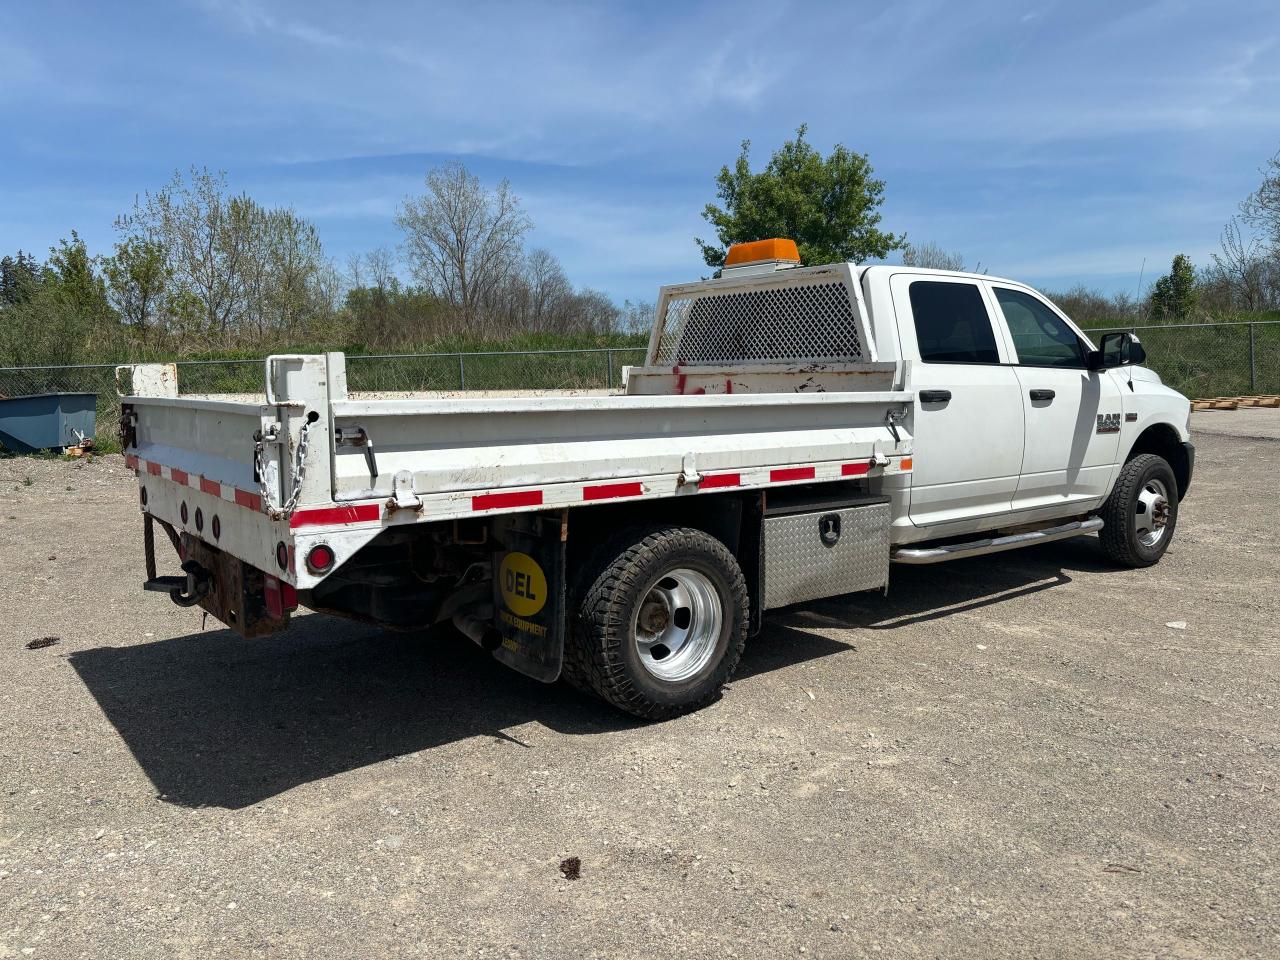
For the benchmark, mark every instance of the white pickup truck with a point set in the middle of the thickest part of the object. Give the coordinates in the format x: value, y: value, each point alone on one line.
x: 793, y: 432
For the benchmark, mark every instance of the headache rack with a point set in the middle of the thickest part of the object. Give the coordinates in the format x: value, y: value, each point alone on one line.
x: 758, y: 332
x: 801, y: 315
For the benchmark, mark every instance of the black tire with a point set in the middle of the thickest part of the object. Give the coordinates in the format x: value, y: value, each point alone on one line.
x: 1121, y: 513
x: 602, y: 654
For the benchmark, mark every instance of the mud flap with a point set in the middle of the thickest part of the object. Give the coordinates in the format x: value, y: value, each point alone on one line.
x: 529, y: 594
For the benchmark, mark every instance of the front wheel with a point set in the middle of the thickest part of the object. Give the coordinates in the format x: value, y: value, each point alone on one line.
x: 661, y: 624
x: 1141, y: 513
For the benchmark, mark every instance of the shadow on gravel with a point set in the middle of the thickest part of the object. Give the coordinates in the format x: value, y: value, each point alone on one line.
x: 918, y: 594
x: 218, y: 721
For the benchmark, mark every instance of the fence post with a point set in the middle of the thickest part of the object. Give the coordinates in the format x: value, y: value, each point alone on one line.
x: 1253, y: 360
x: 462, y: 372
x: 609, y: 379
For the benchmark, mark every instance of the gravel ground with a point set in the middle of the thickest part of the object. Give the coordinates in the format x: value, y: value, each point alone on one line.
x: 1261, y: 423
x: 1024, y: 755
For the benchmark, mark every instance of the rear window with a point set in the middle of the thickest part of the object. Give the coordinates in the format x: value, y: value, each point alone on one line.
x: 952, y: 323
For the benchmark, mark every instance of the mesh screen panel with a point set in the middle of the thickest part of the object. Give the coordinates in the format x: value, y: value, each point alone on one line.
x: 812, y: 321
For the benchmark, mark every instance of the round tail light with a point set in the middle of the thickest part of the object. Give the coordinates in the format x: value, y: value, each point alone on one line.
x: 319, y: 558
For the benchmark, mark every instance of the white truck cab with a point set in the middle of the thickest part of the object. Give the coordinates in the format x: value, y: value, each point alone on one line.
x: 1022, y: 418
x: 793, y: 432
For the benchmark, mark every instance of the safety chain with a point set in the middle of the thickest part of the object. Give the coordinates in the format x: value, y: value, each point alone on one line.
x: 299, y: 472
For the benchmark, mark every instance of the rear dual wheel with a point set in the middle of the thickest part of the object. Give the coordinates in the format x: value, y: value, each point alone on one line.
x: 660, y: 623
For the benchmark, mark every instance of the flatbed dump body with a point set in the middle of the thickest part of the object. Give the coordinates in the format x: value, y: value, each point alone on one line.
x: 371, y: 463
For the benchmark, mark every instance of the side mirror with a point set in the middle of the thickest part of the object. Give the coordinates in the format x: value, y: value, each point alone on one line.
x: 1121, y: 349
x: 1095, y: 361
x: 1137, y: 352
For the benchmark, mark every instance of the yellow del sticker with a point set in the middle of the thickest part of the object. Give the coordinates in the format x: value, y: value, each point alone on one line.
x: 523, y: 584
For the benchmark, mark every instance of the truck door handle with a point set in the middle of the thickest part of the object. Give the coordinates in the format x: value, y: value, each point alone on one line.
x: 935, y: 396
x: 1042, y: 394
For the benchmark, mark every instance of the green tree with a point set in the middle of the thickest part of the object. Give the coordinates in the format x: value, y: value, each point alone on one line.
x: 1174, y: 295
x: 67, y: 317
x: 72, y: 274
x: 234, y: 270
x: 828, y: 205
x: 19, y: 277
x: 138, y: 279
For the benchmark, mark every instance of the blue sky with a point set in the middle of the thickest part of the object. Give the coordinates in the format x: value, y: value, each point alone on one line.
x: 1055, y: 142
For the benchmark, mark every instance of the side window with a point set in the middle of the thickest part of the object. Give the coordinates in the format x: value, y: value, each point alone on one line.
x: 952, y: 323
x: 1041, y: 337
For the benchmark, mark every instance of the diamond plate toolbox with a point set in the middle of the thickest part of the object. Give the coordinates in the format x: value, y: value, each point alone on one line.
x: 814, y: 550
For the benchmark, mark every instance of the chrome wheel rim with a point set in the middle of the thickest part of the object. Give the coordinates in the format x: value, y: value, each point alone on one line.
x: 1151, y: 513
x: 677, y: 625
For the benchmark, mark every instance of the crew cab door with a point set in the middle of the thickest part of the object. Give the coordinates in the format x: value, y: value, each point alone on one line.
x: 1072, y: 416
x: 967, y: 421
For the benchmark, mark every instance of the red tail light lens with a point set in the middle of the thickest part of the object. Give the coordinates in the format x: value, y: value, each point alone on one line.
x: 280, y: 597
x: 319, y: 558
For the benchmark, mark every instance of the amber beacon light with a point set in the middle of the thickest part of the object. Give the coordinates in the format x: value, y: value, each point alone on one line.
x: 762, y: 251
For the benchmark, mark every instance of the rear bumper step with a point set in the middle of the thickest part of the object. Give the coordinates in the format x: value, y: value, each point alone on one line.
x: 975, y: 548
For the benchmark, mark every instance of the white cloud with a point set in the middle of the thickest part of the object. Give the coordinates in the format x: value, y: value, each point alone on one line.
x: 251, y: 17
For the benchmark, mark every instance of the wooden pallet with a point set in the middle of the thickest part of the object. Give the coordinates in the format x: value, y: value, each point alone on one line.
x: 1231, y: 403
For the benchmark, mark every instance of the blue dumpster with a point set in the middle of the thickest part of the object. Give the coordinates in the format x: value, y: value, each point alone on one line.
x: 46, y: 421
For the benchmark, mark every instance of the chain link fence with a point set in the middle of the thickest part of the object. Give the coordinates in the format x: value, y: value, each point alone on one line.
x: 590, y: 369
x: 1212, y: 359
x: 1199, y: 360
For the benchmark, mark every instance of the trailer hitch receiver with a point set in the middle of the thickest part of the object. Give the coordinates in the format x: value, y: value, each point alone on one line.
x: 184, y: 591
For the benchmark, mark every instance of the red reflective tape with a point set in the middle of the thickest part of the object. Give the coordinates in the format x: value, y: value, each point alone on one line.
x: 211, y: 488
x: 153, y: 468
x: 250, y: 500
x: 606, y: 491
x: 792, y: 473
x: 131, y: 462
x: 720, y: 480
x: 854, y: 469
x: 179, y: 476
x: 328, y: 516
x: 496, y: 501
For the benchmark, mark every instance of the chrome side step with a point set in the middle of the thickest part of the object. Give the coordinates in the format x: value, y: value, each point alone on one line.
x: 975, y: 548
